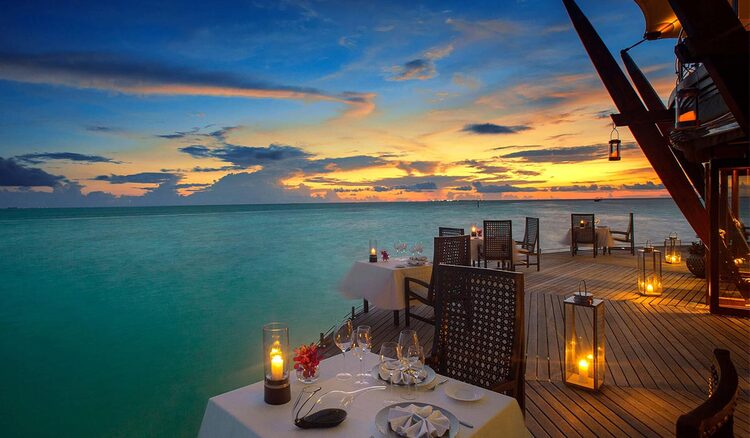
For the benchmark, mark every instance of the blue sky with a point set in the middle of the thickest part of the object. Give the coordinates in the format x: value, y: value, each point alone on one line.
x: 298, y: 101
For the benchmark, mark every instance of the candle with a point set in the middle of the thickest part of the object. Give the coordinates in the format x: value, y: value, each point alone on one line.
x: 277, y: 367
x: 582, y: 224
x: 583, y: 367
x: 649, y: 287
x: 372, y: 251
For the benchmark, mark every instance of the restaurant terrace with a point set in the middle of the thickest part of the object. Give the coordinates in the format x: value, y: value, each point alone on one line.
x: 612, y: 337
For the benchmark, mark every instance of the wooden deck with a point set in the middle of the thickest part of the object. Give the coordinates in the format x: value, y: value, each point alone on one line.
x: 658, y: 349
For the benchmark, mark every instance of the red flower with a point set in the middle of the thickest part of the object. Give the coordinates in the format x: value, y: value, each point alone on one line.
x: 384, y: 255
x: 307, y: 359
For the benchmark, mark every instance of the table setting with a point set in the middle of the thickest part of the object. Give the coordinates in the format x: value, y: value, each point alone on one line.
x: 395, y: 394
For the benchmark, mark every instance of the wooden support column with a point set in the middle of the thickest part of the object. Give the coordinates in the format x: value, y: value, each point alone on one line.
x: 653, y: 144
x: 694, y: 171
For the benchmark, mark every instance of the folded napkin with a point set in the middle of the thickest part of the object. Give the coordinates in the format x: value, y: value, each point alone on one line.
x: 402, y: 377
x: 418, y: 422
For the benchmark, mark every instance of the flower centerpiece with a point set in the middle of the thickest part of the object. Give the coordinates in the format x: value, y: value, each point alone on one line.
x: 384, y: 255
x: 306, y: 362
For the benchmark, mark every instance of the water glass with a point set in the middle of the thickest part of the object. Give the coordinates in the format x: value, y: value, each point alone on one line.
x: 343, y: 339
x: 363, y: 344
x: 415, y: 363
x: 390, y: 363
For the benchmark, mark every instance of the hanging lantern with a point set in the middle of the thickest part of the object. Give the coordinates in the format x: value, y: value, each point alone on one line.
x: 373, y: 251
x: 686, y: 108
x: 672, y: 254
x: 614, y: 145
x: 584, y: 346
x: 276, y: 389
x: 649, y: 271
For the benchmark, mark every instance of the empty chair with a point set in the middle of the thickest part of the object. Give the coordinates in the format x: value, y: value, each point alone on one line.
x: 448, y: 231
x: 530, y: 246
x: 715, y: 416
x: 479, y: 335
x: 453, y: 250
x: 582, y: 232
x: 498, y: 244
x: 625, y: 239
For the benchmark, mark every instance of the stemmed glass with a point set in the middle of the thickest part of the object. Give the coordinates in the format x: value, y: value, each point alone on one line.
x: 414, y: 357
x: 362, y: 345
x: 400, y: 247
x: 417, y: 249
x: 389, y: 361
x: 343, y: 340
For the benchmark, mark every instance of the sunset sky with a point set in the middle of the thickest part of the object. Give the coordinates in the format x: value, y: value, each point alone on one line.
x: 148, y: 103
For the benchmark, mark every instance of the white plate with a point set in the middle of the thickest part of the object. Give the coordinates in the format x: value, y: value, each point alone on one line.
x: 463, y: 391
x: 381, y: 419
x: 427, y: 380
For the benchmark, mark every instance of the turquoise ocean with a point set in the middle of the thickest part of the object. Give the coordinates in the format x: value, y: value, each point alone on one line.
x: 124, y: 321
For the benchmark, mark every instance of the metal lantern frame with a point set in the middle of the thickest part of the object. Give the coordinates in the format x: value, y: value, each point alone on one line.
x: 276, y: 359
x: 373, y: 251
x: 672, y: 252
x: 649, y: 275
x: 614, y: 144
x: 686, y: 108
x: 584, y: 346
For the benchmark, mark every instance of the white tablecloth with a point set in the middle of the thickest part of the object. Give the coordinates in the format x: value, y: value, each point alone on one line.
x: 477, y: 242
x: 603, y: 235
x: 381, y: 283
x: 243, y: 413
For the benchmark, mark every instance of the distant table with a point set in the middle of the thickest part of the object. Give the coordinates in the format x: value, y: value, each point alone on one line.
x: 381, y: 283
x: 476, y: 244
x: 603, y: 236
x: 243, y: 413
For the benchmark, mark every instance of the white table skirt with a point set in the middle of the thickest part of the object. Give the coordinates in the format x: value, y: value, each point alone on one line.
x: 381, y: 283
x: 603, y: 235
x: 243, y: 413
x: 476, y: 243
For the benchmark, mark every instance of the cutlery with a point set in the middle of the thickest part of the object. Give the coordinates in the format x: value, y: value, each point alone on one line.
x: 463, y: 423
x: 438, y: 384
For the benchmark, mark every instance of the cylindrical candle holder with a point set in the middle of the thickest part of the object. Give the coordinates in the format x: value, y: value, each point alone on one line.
x: 276, y: 389
x: 473, y: 230
x: 373, y: 251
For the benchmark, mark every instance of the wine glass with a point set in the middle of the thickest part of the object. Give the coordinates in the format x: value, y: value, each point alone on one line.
x: 406, y: 339
x: 389, y: 362
x: 414, y: 357
x: 343, y: 340
x: 363, y: 344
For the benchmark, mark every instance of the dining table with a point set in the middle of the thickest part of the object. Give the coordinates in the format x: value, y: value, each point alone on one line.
x: 242, y: 413
x: 478, y: 241
x: 603, y: 237
x: 382, y: 283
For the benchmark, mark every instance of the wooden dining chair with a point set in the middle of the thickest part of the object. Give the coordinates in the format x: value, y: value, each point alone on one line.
x: 530, y: 246
x: 479, y: 334
x: 447, y: 231
x: 498, y: 244
x: 582, y: 231
x: 625, y: 239
x: 454, y: 250
x: 715, y: 416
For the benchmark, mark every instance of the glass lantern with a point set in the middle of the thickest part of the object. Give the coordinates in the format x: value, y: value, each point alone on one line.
x: 473, y: 230
x: 373, y: 251
x: 276, y: 363
x: 584, y: 346
x: 686, y: 108
x: 672, y: 253
x: 649, y: 271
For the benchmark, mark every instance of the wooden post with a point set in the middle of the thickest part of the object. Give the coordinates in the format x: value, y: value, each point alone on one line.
x: 365, y: 306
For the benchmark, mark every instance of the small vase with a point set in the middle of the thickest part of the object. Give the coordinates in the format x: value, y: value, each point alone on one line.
x: 313, y: 377
x: 697, y: 265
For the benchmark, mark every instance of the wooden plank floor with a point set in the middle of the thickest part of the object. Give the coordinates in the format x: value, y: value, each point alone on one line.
x: 658, y: 349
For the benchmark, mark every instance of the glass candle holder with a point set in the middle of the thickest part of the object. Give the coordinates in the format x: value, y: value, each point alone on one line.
x: 276, y: 363
x: 373, y: 251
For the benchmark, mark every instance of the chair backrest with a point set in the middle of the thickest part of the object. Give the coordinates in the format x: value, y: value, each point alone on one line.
x: 630, y: 228
x: 448, y: 231
x: 715, y: 417
x: 585, y: 233
x: 531, y: 233
x: 479, y: 330
x: 498, y: 240
x: 451, y: 250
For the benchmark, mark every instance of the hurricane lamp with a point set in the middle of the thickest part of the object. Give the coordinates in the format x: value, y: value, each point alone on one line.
x: 649, y: 271
x: 276, y: 389
x: 672, y: 254
x: 614, y: 145
x: 584, y: 346
x: 373, y: 251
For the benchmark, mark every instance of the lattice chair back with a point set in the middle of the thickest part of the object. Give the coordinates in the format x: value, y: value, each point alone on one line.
x: 452, y: 251
x: 498, y: 240
x: 448, y: 231
x: 531, y: 233
x: 479, y: 330
x: 585, y: 233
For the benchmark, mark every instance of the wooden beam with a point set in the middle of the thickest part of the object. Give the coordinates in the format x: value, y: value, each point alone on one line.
x: 654, y: 145
x: 694, y: 171
x: 649, y: 118
x: 717, y: 39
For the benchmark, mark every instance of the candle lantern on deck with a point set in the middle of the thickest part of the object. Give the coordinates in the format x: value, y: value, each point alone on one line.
x: 584, y: 346
x: 672, y: 254
x: 473, y: 230
x: 686, y: 108
x: 373, y: 251
x: 649, y: 270
x: 276, y: 390
x: 614, y: 145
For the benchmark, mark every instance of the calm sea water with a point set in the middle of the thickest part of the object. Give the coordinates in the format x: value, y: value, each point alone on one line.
x: 124, y: 321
